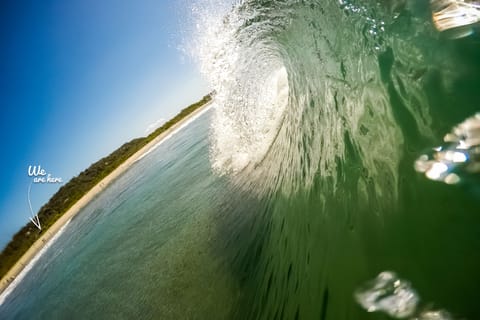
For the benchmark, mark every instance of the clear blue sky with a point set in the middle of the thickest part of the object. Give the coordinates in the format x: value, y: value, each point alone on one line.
x: 79, y: 78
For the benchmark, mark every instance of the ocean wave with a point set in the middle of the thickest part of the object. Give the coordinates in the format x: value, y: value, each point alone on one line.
x: 297, y: 97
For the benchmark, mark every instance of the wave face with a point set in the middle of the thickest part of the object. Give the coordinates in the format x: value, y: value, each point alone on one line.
x: 302, y: 85
x: 321, y: 109
x: 324, y: 110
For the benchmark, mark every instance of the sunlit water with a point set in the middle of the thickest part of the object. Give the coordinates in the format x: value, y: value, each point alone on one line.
x: 311, y: 191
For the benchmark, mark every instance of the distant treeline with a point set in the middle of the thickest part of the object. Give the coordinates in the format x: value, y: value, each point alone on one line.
x: 76, y: 188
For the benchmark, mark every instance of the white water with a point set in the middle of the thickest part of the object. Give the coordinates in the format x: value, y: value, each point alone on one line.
x: 31, y: 264
x: 237, y: 145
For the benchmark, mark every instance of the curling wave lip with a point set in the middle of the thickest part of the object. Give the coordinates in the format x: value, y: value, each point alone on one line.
x: 458, y: 157
x: 455, y: 15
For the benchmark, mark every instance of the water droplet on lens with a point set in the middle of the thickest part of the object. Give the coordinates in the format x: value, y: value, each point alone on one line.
x: 389, y: 294
x: 452, y: 178
x: 458, y: 158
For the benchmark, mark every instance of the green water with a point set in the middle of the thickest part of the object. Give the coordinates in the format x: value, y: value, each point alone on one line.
x: 281, y: 206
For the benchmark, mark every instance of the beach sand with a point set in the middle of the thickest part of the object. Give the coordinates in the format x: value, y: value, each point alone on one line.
x: 90, y: 195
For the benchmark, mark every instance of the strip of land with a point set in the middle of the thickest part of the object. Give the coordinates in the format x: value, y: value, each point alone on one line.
x: 47, y: 235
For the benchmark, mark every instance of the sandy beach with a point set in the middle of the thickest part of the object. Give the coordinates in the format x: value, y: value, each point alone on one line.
x: 76, y: 208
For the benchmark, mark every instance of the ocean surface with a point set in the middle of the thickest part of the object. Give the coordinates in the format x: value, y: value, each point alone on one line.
x: 336, y: 177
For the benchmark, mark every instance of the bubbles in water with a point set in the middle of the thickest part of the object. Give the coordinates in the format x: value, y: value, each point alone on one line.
x: 457, y: 158
x: 455, y: 16
x: 397, y: 298
x: 389, y: 294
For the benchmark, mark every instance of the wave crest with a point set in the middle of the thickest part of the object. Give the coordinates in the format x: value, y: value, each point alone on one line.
x: 300, y: 101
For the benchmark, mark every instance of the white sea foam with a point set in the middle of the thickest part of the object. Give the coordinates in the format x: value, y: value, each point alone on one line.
x: 260, y: 124
x: 31, y: 264
x: 251, y: 85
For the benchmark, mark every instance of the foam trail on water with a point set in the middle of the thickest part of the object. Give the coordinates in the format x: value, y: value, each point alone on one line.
x: 31, y: 264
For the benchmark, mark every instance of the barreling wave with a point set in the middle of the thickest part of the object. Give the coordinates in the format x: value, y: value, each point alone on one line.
x: 321, y: 109
x: 304, y: 85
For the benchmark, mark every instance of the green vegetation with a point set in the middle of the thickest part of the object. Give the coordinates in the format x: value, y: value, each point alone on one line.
x: 76, y: 188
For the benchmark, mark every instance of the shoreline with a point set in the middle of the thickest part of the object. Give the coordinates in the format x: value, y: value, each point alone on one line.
x: 49, y: 234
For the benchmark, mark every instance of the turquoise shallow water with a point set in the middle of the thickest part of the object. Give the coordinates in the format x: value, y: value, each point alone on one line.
x: 141, y: 249
x: 299, y: 188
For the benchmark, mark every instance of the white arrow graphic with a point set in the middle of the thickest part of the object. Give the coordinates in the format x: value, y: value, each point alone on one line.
x: 34, y: 218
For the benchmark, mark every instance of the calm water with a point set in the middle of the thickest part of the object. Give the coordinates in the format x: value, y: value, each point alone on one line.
x: 299, y: 187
